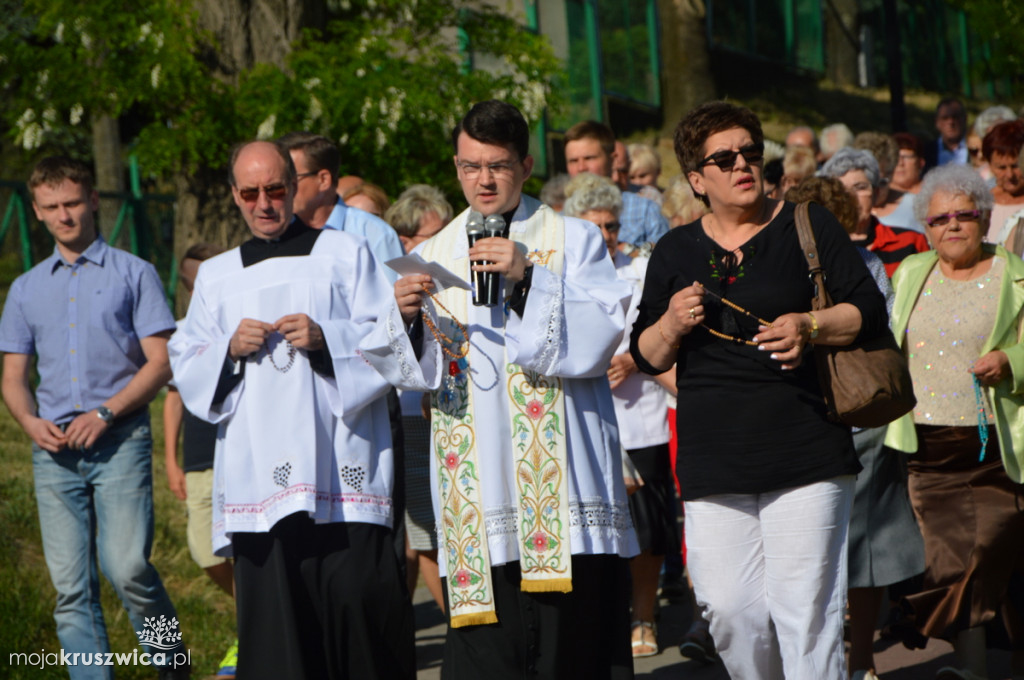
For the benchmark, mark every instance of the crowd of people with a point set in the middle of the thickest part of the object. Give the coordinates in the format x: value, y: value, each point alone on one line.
x: 640, y: 411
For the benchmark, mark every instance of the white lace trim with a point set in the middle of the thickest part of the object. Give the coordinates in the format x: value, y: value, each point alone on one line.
x: 397, y: 342
x: 554, y: 336
x: 592, y: 515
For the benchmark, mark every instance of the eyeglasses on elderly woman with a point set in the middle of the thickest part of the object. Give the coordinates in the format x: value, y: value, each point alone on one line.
x: 726, y: 159
x: 960, y: 216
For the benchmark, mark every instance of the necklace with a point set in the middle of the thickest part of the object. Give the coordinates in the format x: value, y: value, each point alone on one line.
x: 291, y: 357
x: 741, y: 310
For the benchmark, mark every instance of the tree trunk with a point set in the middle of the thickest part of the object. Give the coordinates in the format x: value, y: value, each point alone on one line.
x: 249, y: 32
x: 205, y: 213
x: 246, y: 32
x: 106, y: 153
x: 841, y: 41
x: 686, y: 79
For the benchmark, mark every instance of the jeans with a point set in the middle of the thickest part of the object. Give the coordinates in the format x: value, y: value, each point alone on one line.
x: 769, y: 571
x: 98, y: 503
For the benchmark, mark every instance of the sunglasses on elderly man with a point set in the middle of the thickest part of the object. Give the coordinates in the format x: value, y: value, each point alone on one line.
x: 274, y: 192
x: 752, y: 153
x: 959, y: 215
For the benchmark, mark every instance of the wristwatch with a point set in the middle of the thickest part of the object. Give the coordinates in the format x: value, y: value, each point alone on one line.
x: 105, y: 414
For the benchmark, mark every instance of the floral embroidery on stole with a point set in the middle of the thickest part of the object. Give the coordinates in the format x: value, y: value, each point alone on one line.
x: 537, y: 416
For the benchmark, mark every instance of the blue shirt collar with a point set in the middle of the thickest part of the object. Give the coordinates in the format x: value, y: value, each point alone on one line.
x: 336, y: 220
x: 95, y: 253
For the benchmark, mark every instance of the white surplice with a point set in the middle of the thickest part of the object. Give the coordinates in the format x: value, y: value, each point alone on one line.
x: 639, y: 400
x: 570, y: 329
x: 289, y: 439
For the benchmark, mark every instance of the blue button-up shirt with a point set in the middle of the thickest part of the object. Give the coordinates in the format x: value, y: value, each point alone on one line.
x: 957, y: 155
x: 382, y: 239
x: 84, y: 321
x: 641, y: 220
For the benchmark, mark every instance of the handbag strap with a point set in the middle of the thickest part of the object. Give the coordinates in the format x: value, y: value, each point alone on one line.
x: 809, y: 247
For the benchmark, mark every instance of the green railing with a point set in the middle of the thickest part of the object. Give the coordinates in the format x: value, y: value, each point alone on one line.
x: 16, y: 210
x: 144, y: 226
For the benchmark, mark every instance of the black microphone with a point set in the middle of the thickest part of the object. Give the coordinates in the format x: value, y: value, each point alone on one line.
x: 475, y: 232
x: 494, y: 226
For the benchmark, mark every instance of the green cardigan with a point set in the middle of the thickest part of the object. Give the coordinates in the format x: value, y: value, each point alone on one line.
x: 1007, y: 398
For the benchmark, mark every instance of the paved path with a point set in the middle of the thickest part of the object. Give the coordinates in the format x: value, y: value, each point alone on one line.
x: 894, y: 661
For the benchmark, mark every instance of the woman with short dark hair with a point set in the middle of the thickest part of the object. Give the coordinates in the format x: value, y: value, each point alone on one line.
x: 1000, y: 147
x: 766, y: 477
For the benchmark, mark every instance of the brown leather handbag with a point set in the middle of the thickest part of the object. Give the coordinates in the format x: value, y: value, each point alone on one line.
x: 865, y: 384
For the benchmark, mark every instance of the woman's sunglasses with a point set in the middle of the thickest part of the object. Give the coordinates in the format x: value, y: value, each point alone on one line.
x: 752, y: 153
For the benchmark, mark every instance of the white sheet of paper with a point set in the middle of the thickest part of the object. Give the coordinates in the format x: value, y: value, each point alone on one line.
x: 415, y: 264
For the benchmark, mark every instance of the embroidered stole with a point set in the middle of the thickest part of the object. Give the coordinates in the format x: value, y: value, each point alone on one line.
x: 537, y: 417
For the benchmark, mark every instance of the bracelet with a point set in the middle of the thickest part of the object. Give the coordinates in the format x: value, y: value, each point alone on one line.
x: 814, y: 326
x: 662, y: 334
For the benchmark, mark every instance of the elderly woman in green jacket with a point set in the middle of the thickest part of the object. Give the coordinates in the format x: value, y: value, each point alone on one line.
x: 957, y: 315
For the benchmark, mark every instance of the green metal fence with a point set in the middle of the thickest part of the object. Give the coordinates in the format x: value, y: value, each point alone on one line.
x: 144, y: 226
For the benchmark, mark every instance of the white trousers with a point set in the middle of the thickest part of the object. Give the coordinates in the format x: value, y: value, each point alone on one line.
x: 769, y: 571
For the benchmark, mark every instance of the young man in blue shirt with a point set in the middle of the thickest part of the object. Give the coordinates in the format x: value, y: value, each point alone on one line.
x: 96, y: 318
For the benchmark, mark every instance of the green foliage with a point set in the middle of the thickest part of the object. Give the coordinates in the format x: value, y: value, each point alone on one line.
x: 387, y: 82
x: 205, y: 613
x: 388, y: 86
x: 66, y: 62
x: 1001, y: 24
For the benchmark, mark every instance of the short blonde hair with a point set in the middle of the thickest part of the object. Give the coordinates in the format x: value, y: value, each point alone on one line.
x: 643, y: 158
x: 409, y: 209
x: 681, y: 206
x: 372, y: 192
x: 799, y: 162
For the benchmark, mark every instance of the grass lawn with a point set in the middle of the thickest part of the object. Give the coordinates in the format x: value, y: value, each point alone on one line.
x: 205, y: 613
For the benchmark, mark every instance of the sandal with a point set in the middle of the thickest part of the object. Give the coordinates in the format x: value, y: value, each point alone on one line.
x: 652, y: 647
x: 697, y: 644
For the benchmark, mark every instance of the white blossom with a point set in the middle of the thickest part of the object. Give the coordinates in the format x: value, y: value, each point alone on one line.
x: 343, y: 140
x: 41, y: 83
x: 266, y: 128
x: 315, y: 111
x: 30, y: 133
x: 76, y: 113
x: 31, y: 137
x: 159, y: 40
x: 360, y: 72
x: 311, y: 83
x: 382, y: 139
x: 27, y: 116
x: 154, y: 76
x: 86, y: 40
x: 365, y: 110
x: 49, y: 116
x: 393, y: 113
x: 144, y: 31
x: 58, y: 32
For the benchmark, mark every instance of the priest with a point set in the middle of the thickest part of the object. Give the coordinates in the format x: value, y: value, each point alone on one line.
x: 532, y: 518
x: 303, y: 467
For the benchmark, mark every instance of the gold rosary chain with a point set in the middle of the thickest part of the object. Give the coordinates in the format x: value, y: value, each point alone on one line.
x: 441, y: 338
x: 741, y: 310
x: 730, y: 303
